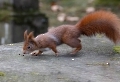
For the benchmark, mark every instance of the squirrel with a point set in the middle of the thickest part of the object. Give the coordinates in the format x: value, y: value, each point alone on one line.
x: 97, y: 22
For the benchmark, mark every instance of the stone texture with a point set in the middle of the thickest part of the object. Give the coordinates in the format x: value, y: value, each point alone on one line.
x: 96, y: 62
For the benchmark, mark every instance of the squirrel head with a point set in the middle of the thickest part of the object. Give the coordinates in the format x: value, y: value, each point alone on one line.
x: 29, y: 43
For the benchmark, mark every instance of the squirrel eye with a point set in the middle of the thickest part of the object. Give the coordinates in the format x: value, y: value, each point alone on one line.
x: 28, y: 47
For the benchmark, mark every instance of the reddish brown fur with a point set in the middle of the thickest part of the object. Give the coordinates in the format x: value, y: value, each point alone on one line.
x: 97, y: 22
x: 29, y: 41
x: 101, y: 22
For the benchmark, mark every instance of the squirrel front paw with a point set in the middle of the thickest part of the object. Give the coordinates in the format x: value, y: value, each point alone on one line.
x: 36, y: 53
x: 56, y: 54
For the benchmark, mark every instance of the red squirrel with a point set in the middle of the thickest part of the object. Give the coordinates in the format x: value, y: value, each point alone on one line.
x: 97, y: 22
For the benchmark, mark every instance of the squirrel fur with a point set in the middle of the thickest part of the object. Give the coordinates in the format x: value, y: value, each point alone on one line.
x: 97, y: 22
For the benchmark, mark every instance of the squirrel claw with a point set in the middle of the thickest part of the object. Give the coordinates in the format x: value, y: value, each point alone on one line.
x: 56, y: 54
x: 36, y: 53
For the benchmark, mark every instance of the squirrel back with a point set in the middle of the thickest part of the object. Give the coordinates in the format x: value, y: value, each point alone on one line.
x: 100, y: 22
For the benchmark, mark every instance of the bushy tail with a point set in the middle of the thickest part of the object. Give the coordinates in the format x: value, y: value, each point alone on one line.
x: 101, y: 22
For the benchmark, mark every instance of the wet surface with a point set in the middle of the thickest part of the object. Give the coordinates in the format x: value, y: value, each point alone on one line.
x: 96, y: 62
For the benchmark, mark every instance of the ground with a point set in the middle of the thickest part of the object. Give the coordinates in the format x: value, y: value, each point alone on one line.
x: 96, y: 62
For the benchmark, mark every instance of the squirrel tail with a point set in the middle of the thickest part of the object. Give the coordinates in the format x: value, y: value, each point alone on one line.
x: 100, y: 22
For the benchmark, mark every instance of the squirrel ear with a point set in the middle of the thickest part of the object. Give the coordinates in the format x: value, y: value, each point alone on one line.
x: 30, y: 36
x: 25, y: 35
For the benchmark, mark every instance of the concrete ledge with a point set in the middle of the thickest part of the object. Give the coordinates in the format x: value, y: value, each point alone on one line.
x: 96, y: 62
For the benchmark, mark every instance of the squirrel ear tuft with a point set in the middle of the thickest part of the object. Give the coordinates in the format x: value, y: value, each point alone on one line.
x: 25, y: 35
x: 30, y: 36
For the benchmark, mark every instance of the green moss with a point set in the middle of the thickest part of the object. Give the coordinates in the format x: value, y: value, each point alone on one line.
x: 116, y: 49
x: 2, y: 73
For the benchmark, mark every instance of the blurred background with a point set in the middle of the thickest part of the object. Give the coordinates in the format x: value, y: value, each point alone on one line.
x: 40, y: 15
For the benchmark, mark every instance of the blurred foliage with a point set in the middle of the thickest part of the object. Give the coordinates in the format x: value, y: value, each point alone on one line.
x: 70, y: 8
x: 4, y: 15
x: 6, y: 5
x: 113, y: 5
x: 76, y: 8
x: 5, y: 12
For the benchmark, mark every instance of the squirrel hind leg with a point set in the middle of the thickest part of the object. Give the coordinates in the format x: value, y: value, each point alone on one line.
x: 74, y: 43
x: 76, y: 50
